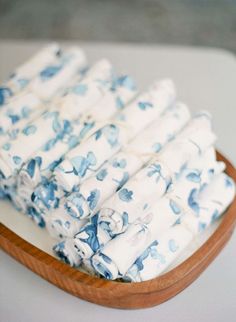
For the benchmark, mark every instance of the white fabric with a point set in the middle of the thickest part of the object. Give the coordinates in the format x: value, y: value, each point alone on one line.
x: 213, y: 201
x: 152, y: 181
x: 84, y: 160
x: 115, y: 172
x: 56, y: 121
x: 121, y: 252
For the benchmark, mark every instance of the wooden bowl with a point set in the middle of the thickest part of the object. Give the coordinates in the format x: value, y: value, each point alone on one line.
x: 117, y: 294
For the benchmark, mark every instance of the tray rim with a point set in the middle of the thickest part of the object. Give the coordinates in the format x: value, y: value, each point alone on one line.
x: 117, y: 294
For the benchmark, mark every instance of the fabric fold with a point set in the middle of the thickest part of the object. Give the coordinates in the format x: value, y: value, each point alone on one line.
x: 81, y: 162
x: 212, y: 202
x: 113, y: 262
x: 115, y: 172
x: 56, y: 123
x: 132, y: 200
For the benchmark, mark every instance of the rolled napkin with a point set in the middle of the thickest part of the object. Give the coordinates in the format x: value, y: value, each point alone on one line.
x: 23, y: 75
x: 53, y: 77
x: 212, y: 202
x: 84, y: 160
x: 42, y: 163
x: 56, y: 123
x: 132, y: 200
x: 92, y: 236
x: 115, y: 172
x: 113, y: 262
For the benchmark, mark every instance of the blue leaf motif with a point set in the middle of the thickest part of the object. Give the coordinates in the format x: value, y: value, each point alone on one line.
x: 80, y: 89
x: 156, y: 147
x: 14, y: 118
x: 25, y: 112
x: 119, y: 163
x: 125, y: 195
x: 125, y: 218
x: 194, y: 176
x: 111, y: 133
x: 192, y: 201
x: 93, y: 198
x: 98, y: 134
x: 101, y: 174
x: 6, y: 146
x: 5, y: 93
x: 228, y: 182
x: 29, y: 130
x: 82, y: 164
x: 16, y: 159
x: 175, y: 208
x: 50, y: 72
x: 173, y: 247
x: 127, y: 82
x: 119, y: 103
x: 144, y: 105
x: 78, y: 201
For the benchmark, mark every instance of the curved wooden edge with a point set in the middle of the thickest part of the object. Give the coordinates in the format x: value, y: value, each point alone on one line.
x: 117, y: 294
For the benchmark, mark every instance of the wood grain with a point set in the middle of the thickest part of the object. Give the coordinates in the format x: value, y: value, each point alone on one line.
x: 116, y: 294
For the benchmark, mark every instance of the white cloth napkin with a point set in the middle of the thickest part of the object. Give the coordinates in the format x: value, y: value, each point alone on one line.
x: 81, y: 162
x: 115, y: 172
x: 121, y: 252
x: 56, y: 123
x: 212, y: 202
x: 42, y: 163
x: 101, y: 236
x: 133, y: 199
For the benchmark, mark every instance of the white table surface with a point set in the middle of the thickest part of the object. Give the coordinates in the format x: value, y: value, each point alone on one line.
x: 205, y: 79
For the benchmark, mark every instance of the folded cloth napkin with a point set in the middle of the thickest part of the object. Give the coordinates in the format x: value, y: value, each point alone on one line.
x: 24, y: 74
x: 115, y: 172
x: 53, y: 77
x: 81, y: 162
x: 41, y: 165
x: 92, y: 236
x: 24, y: 106
x: 212, y: 202
x: 113, y: 262
x: 132, y: 200
x: 56, y: 123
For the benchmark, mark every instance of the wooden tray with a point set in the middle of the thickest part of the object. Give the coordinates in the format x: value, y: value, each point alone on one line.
x: 116, y: 294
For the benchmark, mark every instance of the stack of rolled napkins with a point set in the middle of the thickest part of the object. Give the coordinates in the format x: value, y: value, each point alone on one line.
x: 124, y: 181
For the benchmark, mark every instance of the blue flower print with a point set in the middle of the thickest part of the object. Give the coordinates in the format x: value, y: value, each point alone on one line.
x: 119, y: 163
x: 25, y: 112
x: 101, y: 174
x: 119, y: 103
x: 156, y: 147
x: 78, y: 201
x: 121, y: 182
x: 29, y: 130
x: 14, y: 118
x: 111, y: 133
x: 194, y: 176
x: 229, y: 182
x: 174, y: 206
x: 50, y: 72
x: 82, y: 164
x: 127, y: 82
x: 5, y: 93
x: 46, y: 194
x: 125, y: 195
x: 80, y: 89
x: 17, y: 160
x: 144, y: 105
x: 32, y: 165
x: 173, y: 247
x: 91, y: 231
x: 125, y: 219
x: 93, y: 198
x: 192, y: 201
x: 201, y: 226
